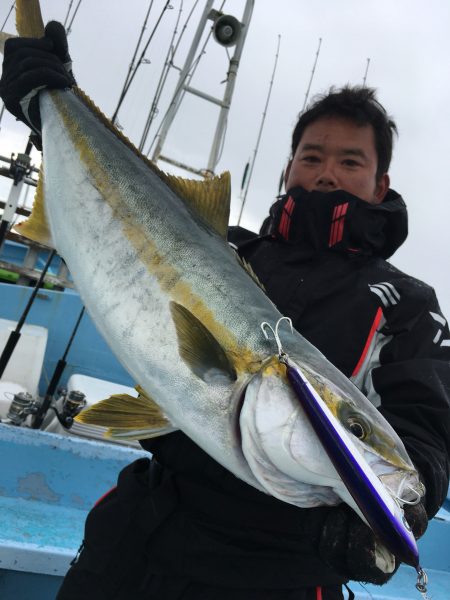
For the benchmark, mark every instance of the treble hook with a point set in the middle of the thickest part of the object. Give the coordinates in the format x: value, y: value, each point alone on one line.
x: 282, y: 356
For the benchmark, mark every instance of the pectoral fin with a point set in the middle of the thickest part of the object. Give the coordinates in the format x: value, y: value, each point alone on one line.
x: 198, y: 348
x: 127, y: 417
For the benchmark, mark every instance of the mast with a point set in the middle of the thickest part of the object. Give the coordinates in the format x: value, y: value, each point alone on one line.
x: 227, y: 32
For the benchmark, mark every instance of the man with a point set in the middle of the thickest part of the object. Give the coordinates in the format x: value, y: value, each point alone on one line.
x: 182, y: 526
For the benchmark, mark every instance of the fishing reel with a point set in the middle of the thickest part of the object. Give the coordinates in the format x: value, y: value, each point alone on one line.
x: 20, y: 167
x: 22, y: 405
x: 68, y: 405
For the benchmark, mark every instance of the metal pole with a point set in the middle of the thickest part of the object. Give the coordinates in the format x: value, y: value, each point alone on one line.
x: 231, y: 81
x: 19, y: 168
x: 183, y: 75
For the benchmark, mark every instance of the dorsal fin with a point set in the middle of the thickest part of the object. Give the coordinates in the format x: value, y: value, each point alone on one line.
x: 209, y: 198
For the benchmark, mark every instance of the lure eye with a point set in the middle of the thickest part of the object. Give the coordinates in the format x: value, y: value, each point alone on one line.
x: 357, y: 429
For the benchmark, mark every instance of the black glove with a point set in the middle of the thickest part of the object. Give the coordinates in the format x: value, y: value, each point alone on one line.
x: 30, y: 65
x: 350, y: 547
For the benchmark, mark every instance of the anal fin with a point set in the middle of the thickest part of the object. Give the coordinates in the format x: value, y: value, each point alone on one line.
x: 127, y: 417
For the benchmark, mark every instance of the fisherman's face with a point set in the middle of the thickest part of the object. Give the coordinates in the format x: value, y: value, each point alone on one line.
x: 336, y: 154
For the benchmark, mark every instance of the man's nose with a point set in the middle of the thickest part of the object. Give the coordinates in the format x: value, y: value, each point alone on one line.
x: 327, y: 179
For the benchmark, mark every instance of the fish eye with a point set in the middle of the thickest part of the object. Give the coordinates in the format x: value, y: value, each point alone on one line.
x: 357, y: 428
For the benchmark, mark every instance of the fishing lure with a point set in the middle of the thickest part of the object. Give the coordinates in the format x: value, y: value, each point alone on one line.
x: 382, y: 512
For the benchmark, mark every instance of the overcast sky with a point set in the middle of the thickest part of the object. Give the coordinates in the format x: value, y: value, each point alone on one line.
x: 407, y: 42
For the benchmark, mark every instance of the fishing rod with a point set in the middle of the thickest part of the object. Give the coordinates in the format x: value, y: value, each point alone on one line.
x: 14, y: 336
x: 313, y: 71
x: 139, y: 62
x: 2, y: 28
x: 69, y: 26
x: 260, y: 132
x: 68, y: 13
x: 131, y: 67
x: 57, y: 373
x: 365, y: 74
x: 168, y: 63
x: 312, y: 75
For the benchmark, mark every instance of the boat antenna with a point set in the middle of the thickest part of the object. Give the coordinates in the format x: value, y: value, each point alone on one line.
x: 57, y: 373
x: 69, y: 26
x: 255, y: 152
x: 168, y: 63
x: 2, y: 28
x: 133, y: 71
x: 312, y: 75
x: 365, y: 74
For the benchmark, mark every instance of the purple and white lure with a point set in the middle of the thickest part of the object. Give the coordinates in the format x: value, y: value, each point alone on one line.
x: 382, y: 512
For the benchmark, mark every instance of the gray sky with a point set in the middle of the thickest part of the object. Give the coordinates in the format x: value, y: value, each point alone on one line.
x: 408, y: 45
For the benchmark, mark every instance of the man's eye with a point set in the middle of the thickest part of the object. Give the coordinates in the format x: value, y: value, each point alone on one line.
x: 310, y: 159
x: 349, y: 162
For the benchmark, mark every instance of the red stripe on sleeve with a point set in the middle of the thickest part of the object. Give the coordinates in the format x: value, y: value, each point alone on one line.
x: 372, y: 331
x: 318, y: 593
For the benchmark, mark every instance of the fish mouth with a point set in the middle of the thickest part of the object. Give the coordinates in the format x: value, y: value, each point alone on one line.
x: 404, y: 486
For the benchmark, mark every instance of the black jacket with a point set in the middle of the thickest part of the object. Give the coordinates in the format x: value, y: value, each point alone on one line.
x: 322, y: 262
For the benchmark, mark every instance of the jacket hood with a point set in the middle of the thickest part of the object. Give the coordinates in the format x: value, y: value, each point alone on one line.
x: 339, y: 221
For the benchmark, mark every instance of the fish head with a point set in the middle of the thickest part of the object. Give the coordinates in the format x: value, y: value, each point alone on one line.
x: 287, y: 457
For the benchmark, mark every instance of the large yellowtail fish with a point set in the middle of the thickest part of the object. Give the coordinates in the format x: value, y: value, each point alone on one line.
x: 183, y: 314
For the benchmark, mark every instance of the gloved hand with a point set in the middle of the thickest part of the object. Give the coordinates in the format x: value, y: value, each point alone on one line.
x: 350, y: 547
x: 30, y: 65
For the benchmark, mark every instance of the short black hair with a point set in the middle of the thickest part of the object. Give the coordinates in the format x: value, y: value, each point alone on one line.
x: 359, y: 105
